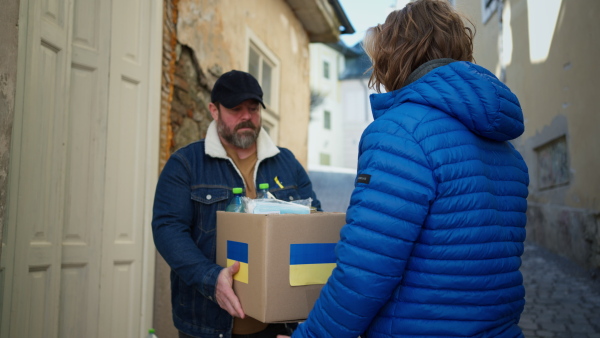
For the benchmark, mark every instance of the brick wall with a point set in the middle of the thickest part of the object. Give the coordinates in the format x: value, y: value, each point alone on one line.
x: 189, y: 114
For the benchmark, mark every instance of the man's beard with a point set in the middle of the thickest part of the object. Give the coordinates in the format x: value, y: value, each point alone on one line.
x: 240, y: 140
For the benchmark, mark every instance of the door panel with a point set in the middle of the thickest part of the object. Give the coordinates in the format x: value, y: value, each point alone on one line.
x: 40, y: 174
x: 84, y: 184
x: 126, y: 157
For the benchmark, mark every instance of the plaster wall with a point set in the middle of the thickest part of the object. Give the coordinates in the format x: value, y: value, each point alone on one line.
x: 558, y: 95
x: 486, y: 36
x: 561, y: 99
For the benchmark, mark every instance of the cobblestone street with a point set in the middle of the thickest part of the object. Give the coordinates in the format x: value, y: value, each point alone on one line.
x: 562, y: 300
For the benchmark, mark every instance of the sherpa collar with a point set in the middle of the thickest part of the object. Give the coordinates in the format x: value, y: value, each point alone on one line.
x: 265, y: 147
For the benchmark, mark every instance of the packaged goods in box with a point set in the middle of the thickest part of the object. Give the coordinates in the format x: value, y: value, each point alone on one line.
x: 284, y: 260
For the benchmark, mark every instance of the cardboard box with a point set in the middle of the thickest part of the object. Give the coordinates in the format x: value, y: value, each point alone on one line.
x: 263, y: 285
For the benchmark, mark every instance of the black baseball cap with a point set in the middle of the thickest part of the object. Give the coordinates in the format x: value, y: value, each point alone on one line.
x: 235, y: 87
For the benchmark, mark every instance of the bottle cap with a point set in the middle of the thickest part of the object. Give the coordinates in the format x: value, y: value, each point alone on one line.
x: 263, y: 186
x: 237, y: 190
x: 151, y: 331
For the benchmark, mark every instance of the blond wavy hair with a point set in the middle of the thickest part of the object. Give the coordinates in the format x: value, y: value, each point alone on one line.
x: 422, y: 31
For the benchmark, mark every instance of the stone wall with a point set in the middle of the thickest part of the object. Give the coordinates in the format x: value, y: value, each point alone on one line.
x: 190, y: 116
x: 573, y: 233
x: 162, y: 318
x: 169, y: 56
x: 9, y: 38
x: 185, y: 118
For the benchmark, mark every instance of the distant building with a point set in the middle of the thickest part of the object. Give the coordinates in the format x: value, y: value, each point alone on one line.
x: 339, y: 77
x: 355, y: 101
x: 325, y: 130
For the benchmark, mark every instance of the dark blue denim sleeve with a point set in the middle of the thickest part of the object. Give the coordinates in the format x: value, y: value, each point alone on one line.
x: 172, y: 220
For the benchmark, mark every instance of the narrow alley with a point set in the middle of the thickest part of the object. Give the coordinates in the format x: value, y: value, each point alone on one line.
x: 562, y: 300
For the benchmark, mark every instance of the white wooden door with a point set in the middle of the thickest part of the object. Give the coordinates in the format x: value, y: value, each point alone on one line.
x: 37, y: 208
x: 78, y: 253
x: 125, y: 164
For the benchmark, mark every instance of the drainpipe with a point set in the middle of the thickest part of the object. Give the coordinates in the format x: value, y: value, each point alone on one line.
x: 366, y: 90
x: 499, y: 9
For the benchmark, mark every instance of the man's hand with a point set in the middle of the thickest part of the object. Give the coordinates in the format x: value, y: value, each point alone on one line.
x: 226, y: 298
x: 282, y: 336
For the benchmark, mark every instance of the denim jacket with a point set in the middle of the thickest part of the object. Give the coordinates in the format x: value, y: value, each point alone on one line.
x: 195, y: 183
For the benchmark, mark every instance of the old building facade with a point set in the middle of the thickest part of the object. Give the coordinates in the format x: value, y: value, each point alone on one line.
x: 543, y: 51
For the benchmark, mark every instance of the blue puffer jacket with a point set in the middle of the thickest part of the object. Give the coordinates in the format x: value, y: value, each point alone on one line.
x: 436, y: 223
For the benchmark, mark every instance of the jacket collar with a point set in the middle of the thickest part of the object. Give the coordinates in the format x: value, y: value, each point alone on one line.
x: 426, y: 68
x: 265, y: 147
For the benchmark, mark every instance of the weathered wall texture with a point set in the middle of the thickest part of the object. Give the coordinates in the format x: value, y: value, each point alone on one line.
x: 162, y: 319
x: 190, y: 116
x: 9, y: 38
x: 217, y: 34
x: 559, y: 97
x: 569, y: 231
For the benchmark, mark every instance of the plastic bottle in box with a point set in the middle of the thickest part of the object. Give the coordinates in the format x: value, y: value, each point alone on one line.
x: 236, y: 202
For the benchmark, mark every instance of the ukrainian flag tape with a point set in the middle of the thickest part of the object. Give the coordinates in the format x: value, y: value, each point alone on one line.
x: 238, y: 252
x: 311, y: 263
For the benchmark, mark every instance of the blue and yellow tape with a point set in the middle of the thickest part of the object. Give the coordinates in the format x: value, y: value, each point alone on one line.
x: 311, y: 263
x: 238, y: 252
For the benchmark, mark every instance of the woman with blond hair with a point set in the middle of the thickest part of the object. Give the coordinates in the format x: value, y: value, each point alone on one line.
x: 436, y: 222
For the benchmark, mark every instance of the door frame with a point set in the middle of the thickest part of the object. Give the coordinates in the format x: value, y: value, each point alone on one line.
x: 152, y: 165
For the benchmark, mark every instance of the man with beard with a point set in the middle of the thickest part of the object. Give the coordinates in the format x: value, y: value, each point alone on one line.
x: 196, y: 182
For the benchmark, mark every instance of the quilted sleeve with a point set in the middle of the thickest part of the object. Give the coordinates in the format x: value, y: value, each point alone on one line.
x: 388, y: 206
